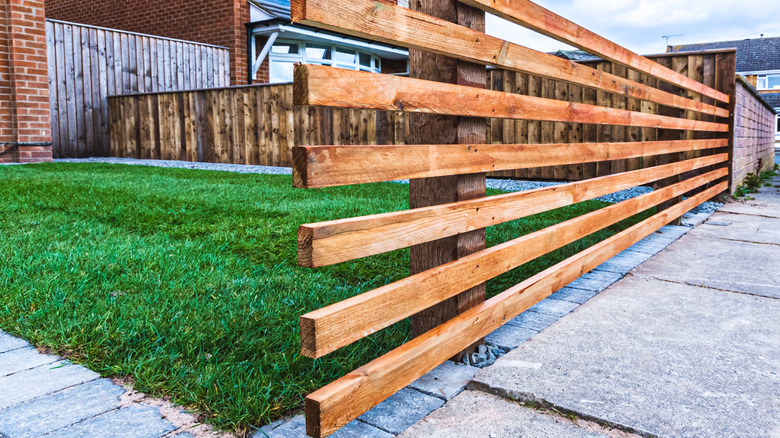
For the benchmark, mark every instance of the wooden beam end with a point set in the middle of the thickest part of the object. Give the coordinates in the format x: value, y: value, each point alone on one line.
x: 305, y: 247
x: 312, y: 413
x: 308, y: 337
x: 300, y: 167
x: 301, y: 84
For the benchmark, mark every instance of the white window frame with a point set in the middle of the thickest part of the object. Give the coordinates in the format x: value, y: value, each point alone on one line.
x: 300, y: 57
x: 762, y: 81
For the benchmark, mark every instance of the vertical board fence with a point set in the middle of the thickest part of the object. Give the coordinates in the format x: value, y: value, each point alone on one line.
x: 88, y: 64
x: 678, y: 126
x: 271, y: 125
x: 255, y: 125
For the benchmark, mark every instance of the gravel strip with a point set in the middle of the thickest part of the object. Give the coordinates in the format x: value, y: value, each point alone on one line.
x: 238, y: 168
x: 506, y: 185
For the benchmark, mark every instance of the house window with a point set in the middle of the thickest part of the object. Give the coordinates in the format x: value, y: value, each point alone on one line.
x: 285, y: 54
x: 768, y: 82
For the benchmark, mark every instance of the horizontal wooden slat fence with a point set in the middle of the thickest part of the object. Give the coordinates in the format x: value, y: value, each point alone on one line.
x: 87, y: 64
x: 629, y: 109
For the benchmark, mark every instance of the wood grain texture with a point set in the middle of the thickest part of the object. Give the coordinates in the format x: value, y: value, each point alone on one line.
x: 397, y: 25
x: 330, y: 328
x: 328, y: 86
x: 337, y: 241
x: 528, y: 14
x: 326, y: 166
x: 342, y: 401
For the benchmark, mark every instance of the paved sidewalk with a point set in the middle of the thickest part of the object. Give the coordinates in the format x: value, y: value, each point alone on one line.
x: 42, y: 394
x: 686, y: 345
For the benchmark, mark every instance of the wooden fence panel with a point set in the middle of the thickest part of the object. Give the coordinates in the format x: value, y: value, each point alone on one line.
x: 87, y: 64
x: 240, y: 125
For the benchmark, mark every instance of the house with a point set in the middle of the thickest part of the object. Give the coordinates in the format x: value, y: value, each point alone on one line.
x: 758, y: 61
x: 263, y: 43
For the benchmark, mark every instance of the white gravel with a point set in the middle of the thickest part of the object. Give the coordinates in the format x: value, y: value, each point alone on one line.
x: 239, y: 168
x: 499, y: 184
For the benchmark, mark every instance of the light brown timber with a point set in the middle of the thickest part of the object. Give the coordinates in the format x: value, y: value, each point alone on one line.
x: 328, y: 86
x: 402, y: 26
x: 330, y: 328
x: 335, y: 405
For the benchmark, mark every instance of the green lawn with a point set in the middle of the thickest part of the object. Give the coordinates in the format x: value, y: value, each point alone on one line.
x: 186, y: 280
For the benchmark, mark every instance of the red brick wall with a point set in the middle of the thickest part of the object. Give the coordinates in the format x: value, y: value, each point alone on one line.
x: 25, y: 133
x: 754, y: 134
x: 218, y: 22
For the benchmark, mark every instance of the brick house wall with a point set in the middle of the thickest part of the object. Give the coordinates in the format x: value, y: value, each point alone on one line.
x: 754, y: 133
x: 25, y: 133
x: 217, y: 22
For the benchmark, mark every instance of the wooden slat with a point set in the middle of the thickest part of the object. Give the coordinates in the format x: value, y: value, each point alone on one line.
x: 402, y: 26
x: 330, y: 328
x: 342, y: 401
x: 331, y: 242
x: 329, y: 86
x: 528, y: 14
x: 325, y: 166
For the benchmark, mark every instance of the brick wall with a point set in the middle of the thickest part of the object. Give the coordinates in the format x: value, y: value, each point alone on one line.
x: 25, y: 134
x: 218, y: 22
x: 754, y: 134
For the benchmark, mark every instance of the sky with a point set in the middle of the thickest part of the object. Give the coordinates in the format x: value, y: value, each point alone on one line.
x: 639, y: 24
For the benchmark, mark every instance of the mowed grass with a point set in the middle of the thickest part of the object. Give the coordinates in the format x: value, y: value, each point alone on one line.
x: 187, y: 280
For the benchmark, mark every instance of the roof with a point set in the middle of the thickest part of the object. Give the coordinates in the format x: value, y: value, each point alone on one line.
x: 772, y: 99
x: 753, y: 55
x: 576, y: 55
x: 275, y: 8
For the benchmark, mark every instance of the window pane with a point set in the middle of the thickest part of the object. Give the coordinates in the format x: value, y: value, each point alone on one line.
x: 774, y: 81
x: 365, y: 60
x: 345, y: 56
x: 316, y: 51
x: 761, y: 82
x: 281, y: 71
x: 285, y: 48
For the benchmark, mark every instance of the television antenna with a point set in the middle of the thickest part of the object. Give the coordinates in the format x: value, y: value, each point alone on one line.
x: 666, y: 37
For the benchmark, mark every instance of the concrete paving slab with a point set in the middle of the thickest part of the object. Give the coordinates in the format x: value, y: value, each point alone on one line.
x: 748, y: 228
x: 534, y: 321
x: 657, y: 358
x: 445, y: 381
x: 476, y: 414
x: 40, y: 381
x: 760, y: 206
x: 692, y: 220
x: 551, y: 306
x: 509, y: 336
x: 573, y: 295
x: 8, y: 342
x: 595, y: 280
x: 721, y: 264
x: 401, y: 410
x: 23, y: 359
x: 131, y: 422
x: 59, y: 410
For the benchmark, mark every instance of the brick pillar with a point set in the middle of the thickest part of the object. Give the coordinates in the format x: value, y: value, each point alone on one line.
x: 25, y: 130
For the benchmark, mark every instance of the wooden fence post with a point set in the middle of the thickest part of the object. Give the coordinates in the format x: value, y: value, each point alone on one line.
x: 433, y: 129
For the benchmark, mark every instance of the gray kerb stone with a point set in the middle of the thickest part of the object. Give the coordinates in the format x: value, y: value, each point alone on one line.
x: 401, y: 410
x: 555, y: 307
x: 131, y: 422
x: 40, y: 381
x: 445, y: 381
x: 296, y: 428
x: 21, y: 359
x: 595, y: 281
x: 59, y: 410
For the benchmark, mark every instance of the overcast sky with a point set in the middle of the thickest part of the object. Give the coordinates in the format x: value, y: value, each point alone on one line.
x: 639, y: 24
